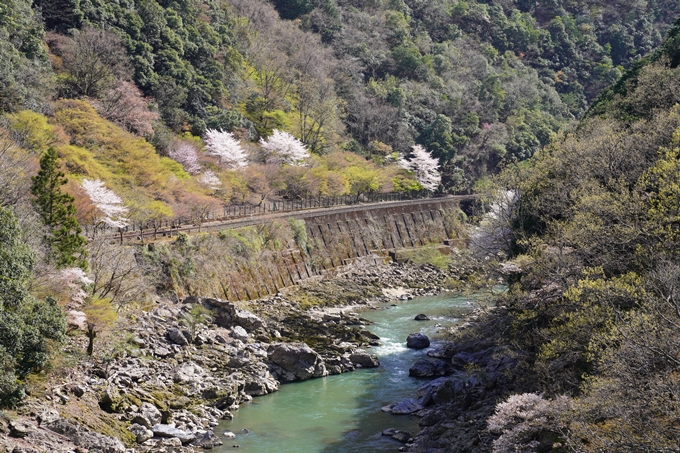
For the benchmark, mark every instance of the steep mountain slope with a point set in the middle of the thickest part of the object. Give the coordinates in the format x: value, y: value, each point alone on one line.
x: 591, y: 228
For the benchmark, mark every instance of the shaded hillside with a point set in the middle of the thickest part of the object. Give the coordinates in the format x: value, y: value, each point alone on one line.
x: 621, y: 99
x: 591, y: 230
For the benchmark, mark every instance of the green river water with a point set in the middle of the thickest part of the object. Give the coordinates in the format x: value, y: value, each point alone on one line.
x: 341, y: 413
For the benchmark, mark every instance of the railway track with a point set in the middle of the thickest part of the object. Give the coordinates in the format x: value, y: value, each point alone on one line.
x: 224, y: 223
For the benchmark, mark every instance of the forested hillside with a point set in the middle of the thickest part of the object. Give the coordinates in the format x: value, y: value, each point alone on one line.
x: 478, y: 84
x: 590, y: 224
x: 143, y: 111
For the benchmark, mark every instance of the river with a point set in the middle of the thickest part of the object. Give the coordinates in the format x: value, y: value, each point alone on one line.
x: 341, y: 413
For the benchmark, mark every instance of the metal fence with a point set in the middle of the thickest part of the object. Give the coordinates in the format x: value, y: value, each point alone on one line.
x: 235, y: 211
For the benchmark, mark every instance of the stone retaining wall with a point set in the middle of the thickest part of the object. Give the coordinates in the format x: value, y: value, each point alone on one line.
x: 340, y: 239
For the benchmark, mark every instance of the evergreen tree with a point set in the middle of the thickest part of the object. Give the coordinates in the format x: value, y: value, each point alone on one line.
x: 26, y: 324
x: 58, y: 213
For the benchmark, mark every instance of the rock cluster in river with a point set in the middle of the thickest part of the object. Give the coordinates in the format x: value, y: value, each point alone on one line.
x: 454, y: 405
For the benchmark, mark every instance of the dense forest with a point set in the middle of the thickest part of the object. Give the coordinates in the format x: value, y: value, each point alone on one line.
x: 478, y: 84
x: 590, y: 225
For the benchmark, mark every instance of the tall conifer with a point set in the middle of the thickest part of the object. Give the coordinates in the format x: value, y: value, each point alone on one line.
x: 67, y: 246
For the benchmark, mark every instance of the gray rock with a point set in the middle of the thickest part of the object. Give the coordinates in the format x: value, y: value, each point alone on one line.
x: 239, y: 333
x: 84, y: 438
x: 229, y: 315
x: 20, y: 428
x: 421, y: 317
x: 363, y: 358
x: 188, y: 373
x: 297, y: 359
x: 389, y: 432
x: 208, y: 441
x: 431, y: 387
x: 147, y: 416
x: 248, y: 320
x: 429, y: 368
x: 47, y: 416
x: 171, y: 442
x: 238, y: 362
x: 443, y: 351
x: 261, y: 385
x: 77, y: 390
x: 170, y: 431
x: 162, y: 352
x: 142, y: 433
x: 417, y: 341
x: 177, y: 337
x: 408, y: 406
x: 402, y: 436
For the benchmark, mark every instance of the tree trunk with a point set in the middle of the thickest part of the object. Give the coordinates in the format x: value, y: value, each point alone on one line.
x: 91, y: 335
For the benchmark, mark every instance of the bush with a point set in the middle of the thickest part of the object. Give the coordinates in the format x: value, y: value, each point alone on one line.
x: 298, y: 227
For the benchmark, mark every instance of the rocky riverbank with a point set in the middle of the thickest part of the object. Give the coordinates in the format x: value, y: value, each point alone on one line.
x: 186, y: 364
x: 463, y: 380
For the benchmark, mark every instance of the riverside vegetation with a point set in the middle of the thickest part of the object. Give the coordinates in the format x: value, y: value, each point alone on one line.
x: 108, y: 109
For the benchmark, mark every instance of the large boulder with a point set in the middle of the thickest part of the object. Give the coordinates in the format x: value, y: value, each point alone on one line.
x: 364, y: 359
x: 21, y: 427
x: 259, y: 385
x: 228, y: 315
x: 207, y: 441
x: 81, y: 437
x: 402, y: 436
x: 430, y: 368
x: 141, y: 433
x: 417, y: 341
x: 248, y: 320
x: 177, y: 337
x: 239, y: 333
x: 296, y: 359
x: 170, y: 431
x: 408, y: 406
x: 258, y: 380
x: 189, y: 373
x: 147, y: 416
x: 443, y: 390
x: 422, y: 317
x: 443, y: 351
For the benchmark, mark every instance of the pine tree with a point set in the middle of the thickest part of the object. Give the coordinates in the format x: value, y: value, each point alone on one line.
x: 67, y: 246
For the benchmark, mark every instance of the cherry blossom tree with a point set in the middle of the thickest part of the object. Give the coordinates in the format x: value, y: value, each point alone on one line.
x: 425, y: 167
x: 210, y: 180
x: 282, y: 147
x: 107, y: 203
x: 226, y: 147
x: 527, y: 423
x: 125, y: 106
x: 76, y: 280
x: 185, y: 153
